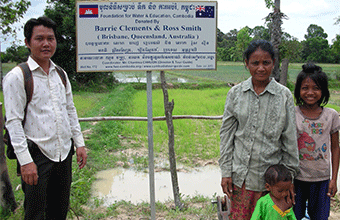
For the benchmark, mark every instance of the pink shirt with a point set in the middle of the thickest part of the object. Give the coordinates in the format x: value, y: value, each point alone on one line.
x: 314, y: 143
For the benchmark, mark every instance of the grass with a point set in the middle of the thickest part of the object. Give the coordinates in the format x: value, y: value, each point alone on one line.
x: 189, y: 139
x: 6, y: 67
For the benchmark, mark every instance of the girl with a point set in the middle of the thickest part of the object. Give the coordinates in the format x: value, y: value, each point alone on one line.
x: 318, y: 143
x: 258, y: 130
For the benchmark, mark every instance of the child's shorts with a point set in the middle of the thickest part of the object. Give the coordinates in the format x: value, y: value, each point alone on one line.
x: 318, y: 201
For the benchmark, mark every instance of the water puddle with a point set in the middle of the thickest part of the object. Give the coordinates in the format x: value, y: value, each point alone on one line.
x: 131, y: 185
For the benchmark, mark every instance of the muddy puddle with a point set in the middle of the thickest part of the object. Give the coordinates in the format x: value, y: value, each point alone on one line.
x: 131, y: 185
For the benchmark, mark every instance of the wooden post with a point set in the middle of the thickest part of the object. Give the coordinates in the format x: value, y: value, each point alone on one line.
x: 7, y: 199
x: 168, y: 107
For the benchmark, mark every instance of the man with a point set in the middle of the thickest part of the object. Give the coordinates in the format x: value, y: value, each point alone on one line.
x: 43, y: 146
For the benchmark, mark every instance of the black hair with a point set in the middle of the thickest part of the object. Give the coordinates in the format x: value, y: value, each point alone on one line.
x: 259, y: 43
x: 31, y: 23
x: 276, y: 173
x: 320, y: 78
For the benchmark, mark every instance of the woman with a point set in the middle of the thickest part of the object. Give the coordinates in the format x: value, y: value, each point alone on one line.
x: 258, y: 130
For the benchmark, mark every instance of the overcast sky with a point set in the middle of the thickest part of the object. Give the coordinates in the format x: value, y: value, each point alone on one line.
x: 236, y: 14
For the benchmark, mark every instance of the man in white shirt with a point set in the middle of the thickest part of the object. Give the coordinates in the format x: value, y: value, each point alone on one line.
x: 43, y: 146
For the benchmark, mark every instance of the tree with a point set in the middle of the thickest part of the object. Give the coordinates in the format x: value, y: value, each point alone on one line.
x: 317, y: 50
x: 314, y: 31
x: 260, y: 32
x: 219, y: 35
x: 290, y: 48
x: 335, y: 49
x: 275, y: 22
x: 17, y: 54
x: 11, y: 12
x: 316, y: 47
x: 337, y: 21
x: 243, y: 40
x: 226, y: 45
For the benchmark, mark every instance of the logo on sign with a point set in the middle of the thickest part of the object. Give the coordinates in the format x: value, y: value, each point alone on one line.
x: 205, y: 11
x: 88, y: 11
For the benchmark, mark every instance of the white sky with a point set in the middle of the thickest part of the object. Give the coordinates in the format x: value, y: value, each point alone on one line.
x: 236, y: 14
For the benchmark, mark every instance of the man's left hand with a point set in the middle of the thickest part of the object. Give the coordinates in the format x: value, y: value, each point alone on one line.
x: 81, y: 157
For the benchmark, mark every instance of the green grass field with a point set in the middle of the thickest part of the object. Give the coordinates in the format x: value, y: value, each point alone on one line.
x: 235, y: 72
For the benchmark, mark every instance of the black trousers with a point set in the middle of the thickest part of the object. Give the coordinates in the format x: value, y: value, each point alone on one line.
x: 50, y: 198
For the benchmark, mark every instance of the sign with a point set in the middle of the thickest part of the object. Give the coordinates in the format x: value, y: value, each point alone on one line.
x: 133, y: 35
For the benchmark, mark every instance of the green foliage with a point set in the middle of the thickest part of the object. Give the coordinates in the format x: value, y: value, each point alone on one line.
x: 243, y: 40
x: 231, y: 45
x: 315, y: 47
x: 94, y: 82
x: 314, y: 31
x: 337, y: 21
x: 11, y: 12
x: 291, y: 49
x: 260, y: 32
x: 335, y: 49
x: 317, y: 50
x: 16, y: 54
x: 269, y: 3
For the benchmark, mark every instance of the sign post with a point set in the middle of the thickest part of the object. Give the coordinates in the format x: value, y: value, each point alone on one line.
x: 150, y: 145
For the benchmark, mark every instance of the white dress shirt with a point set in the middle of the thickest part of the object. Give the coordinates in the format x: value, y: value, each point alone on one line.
x: 51, y: 119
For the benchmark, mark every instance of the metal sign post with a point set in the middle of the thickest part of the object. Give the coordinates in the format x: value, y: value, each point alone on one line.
x: 150, y: 143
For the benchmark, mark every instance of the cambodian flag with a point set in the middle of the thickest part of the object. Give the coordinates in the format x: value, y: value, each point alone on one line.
x: 88, y: 11
x: 205, y: 11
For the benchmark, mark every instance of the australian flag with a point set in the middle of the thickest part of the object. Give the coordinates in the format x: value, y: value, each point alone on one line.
x: 88, y: 11
x: 205, y: 11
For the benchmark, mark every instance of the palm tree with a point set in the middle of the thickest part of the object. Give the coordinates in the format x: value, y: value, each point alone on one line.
x: 274, y: 20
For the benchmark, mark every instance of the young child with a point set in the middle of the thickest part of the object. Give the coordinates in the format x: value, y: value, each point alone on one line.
x: 318, y: 143
x: 277, y: 204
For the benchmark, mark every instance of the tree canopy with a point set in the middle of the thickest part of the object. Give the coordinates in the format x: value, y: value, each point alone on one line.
x: 314, y: 31
x: 315, y: 47
x: 11, y: 12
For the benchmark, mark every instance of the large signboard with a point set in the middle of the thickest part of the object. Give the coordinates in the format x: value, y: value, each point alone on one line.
x: 134, y: 35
